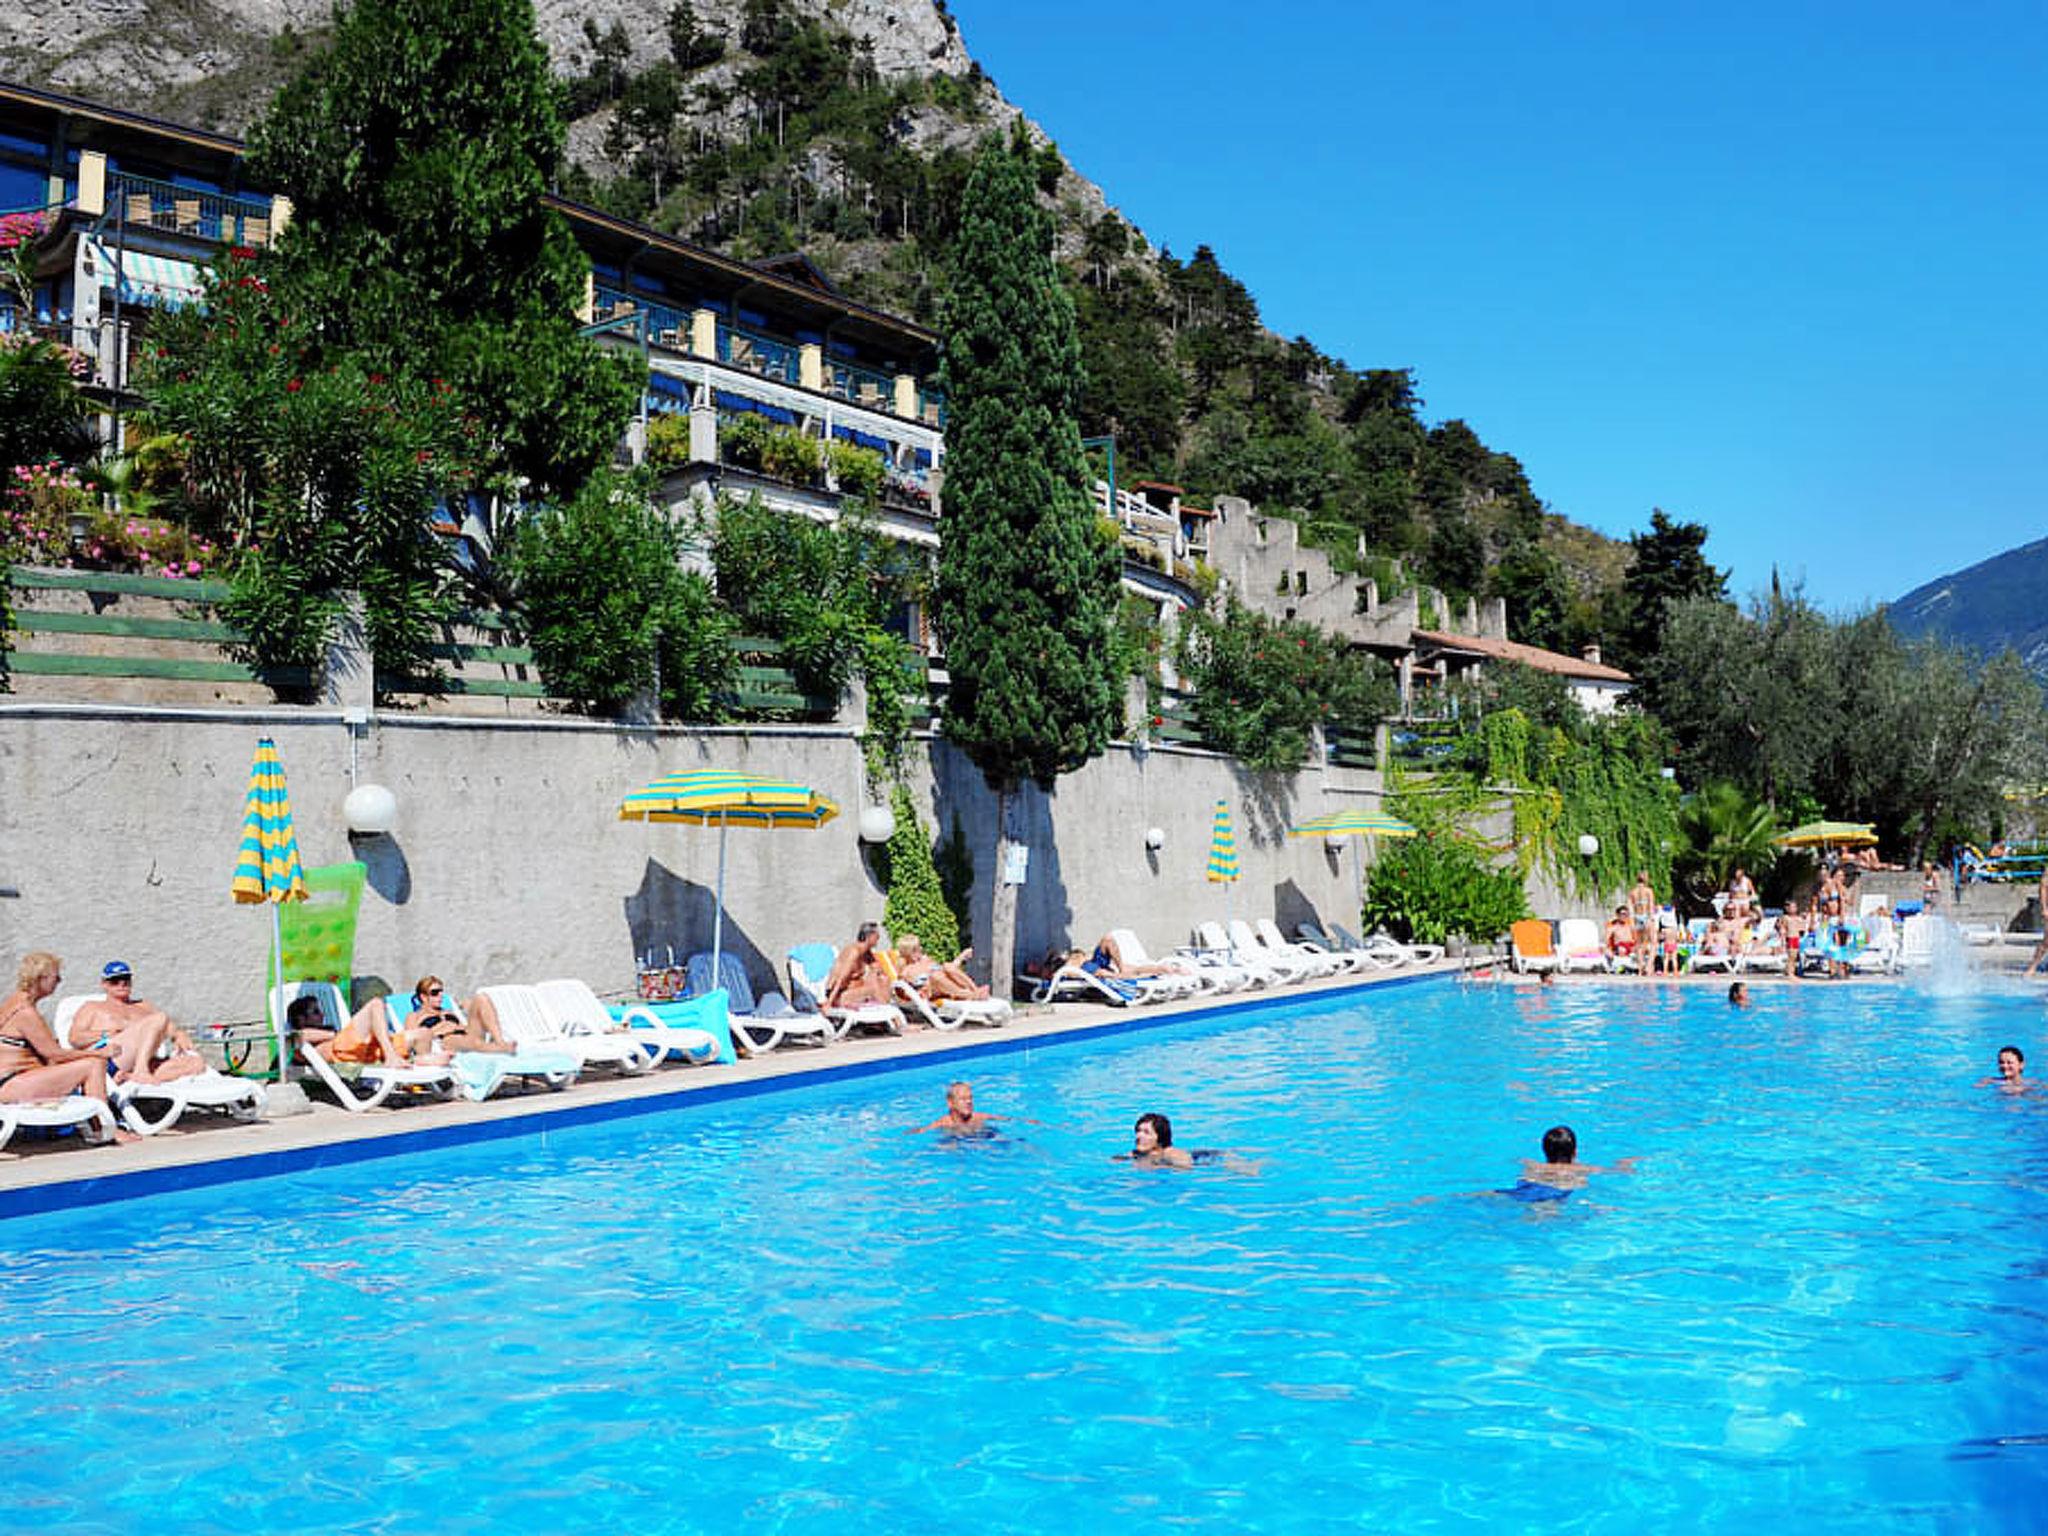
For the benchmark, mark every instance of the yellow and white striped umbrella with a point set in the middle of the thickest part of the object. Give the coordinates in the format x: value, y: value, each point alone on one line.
x: 714, y: 797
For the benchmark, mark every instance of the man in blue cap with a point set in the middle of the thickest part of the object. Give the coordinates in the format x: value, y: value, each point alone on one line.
x: 140, y: 1032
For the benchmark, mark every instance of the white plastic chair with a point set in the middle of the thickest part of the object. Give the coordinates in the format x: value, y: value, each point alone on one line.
x: 55, y: 1114
x: 374, y: 1082
x: 527, y: 1022
x: 1292, y: 965
x: 574, y: 1007
x: 239, y: 1097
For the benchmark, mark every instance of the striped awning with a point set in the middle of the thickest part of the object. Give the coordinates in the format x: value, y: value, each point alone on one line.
x: 1354, y: 823
x: 713, y: 797
x: 146, y: 278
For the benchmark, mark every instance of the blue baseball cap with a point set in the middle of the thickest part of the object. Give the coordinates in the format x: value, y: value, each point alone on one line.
x: 116, y: 970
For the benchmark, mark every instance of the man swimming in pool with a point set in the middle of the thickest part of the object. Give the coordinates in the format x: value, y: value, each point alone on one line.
x: 2012, y: 1072
x: 961, y: 1118
x: 1560, y: 1172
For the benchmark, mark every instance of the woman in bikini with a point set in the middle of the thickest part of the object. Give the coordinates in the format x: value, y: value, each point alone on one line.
x: 936, y: 981
x: 32, y: 1064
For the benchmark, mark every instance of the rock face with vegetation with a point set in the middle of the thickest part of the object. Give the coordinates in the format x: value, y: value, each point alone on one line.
x: 846, y: 128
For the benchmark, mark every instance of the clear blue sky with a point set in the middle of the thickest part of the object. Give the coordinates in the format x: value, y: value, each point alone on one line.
x: 1779, y: 269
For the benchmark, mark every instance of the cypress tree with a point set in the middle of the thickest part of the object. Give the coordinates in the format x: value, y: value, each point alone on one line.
x: 1027, y: 588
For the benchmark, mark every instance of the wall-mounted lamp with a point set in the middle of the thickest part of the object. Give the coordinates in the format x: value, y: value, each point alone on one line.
x: 1155, y: 838
x: 1589, y: 845
x: 877, y: 823
x: 370, y: 810
x: 80, y: 526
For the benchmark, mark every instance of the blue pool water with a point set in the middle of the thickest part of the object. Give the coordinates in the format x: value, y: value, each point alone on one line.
x: 1819, y: 1299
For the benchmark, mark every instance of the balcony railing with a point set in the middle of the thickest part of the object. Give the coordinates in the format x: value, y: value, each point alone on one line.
x: 143, y: 203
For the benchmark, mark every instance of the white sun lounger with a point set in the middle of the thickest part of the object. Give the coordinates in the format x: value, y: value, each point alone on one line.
x: 1387, y: 947
x: 1578, y: 945
x: 1181, y: 978
x: 239, y: 1097
x: 55, y: 1114
x: 1330, y: 962
x: 1267, y: 972
x: 574, y: 1007
x: 528, y: 1023
x: 759, y: 1025
x: 370, y: 1085
x: 1294, y: 965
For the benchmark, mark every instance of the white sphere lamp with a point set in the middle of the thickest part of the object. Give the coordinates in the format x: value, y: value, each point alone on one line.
x: 1155, y: 838
x: 370, y: 810
x: 877, y: 823
x: 1589, y: 845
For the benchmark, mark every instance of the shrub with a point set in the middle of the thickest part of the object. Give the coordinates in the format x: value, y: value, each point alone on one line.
x: 1428, y: 888
x: 788, y: 454
x: 668, y: 439
x: 856, y: 470
x: 1260, y: 686
x: 917, y: 899
x: 743, y: 442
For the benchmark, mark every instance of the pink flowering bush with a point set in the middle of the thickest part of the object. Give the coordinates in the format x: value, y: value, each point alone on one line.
x: 39, y: 503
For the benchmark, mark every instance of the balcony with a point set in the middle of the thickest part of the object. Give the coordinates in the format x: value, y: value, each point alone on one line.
x: 220, y: 218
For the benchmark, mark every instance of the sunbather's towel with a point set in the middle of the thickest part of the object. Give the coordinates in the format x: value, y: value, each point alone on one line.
x: 481, y: 1072
x: 707, y: 1013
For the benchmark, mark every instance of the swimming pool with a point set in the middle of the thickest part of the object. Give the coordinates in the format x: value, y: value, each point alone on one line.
x: 1820, y: 1297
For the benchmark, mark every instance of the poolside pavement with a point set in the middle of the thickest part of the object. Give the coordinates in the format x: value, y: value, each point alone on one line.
x: 202, y: 1149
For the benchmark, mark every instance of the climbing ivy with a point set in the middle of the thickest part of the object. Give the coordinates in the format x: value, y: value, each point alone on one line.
x: 1597, y: 776
x: 917, y: 898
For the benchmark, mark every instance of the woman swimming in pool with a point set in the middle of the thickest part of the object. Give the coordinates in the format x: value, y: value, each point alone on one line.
x: 1152, y: 1145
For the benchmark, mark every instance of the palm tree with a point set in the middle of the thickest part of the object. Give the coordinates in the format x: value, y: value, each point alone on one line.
x: 1722, y: 828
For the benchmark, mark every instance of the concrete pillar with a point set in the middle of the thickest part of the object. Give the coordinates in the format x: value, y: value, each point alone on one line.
x: 348, y: 679
x: 280, y: 215
x: 853, y: 704
x: 810, y: 367
x: 1137, y: 713
x: 703, y: 432
x: 92, y: 183
x: 906, y: 396
x: 586, y: 309
x: 1407, y: 670
x: 704, y: 333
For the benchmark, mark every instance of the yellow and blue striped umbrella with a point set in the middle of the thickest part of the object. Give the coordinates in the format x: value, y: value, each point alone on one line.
x: 1354, y: 823
x: 268, y: 867
x: 713, y: 797
x: 1222, y: 846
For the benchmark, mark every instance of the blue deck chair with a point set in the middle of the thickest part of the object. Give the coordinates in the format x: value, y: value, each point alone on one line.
x: 758, y: 1024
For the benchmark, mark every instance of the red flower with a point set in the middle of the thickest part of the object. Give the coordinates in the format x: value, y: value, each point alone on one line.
x: 292, y: 387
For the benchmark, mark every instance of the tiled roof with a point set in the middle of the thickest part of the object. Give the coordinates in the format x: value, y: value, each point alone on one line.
x: 1528, y: 655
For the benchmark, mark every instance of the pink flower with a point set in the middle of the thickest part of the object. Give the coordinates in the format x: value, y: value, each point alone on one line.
x: 191, y: 567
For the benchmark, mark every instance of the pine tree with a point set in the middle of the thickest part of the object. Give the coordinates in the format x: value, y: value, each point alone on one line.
x: 1028, y: 572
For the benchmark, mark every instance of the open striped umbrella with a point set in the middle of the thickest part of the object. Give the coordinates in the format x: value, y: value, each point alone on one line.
x: 714, y: 797
x: 1829, y: 834
x: 1356, y: 822
x: 267, y: 868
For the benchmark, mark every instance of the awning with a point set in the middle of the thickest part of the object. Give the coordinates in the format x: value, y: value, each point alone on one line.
x: 145, y: 278
x: 728, y: 401
x: 861, y: 439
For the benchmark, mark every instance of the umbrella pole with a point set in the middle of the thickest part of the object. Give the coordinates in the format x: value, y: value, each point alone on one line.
x: 274, y: 981
x: 718, y: 911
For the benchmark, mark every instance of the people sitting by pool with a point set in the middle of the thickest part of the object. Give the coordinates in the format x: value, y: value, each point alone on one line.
x: 961, y: 1117
x: 32, y: 1064
x: 1108, y: 960
x: 936, y: 981
x: 1152, y: 1145
x: 857, y: 977
x: 1621, y: 935
x: 366, y: 1039
x: 2012, y: 1072
x: 436, y: 1026
x: 1717, y: 941
x: 1741, y: 895
x: 1738, y: 994
x: 147, y: 1046
x: 1560, y: 1172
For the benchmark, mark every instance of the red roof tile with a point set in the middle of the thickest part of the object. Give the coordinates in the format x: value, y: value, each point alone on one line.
x: 1528, y: 655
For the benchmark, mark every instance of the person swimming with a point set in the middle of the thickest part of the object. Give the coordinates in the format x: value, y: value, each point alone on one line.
x: 1560, y: 1172
x: 2012, y: 1072
x: 961, y: 1118
x: 1152, y: 1145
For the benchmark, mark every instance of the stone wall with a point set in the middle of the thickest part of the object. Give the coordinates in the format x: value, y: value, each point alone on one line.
x: 119, y: 825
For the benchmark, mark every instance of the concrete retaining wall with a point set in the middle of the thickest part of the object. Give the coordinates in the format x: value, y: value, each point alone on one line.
x: 118, y: 831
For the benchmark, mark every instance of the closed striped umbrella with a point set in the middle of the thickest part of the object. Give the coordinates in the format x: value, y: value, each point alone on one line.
x: 1222, y: 846
x: 715, y: 797
x: 267, y: 868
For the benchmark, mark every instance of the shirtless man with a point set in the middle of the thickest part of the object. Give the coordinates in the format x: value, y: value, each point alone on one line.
x: 1642, y: 906
x: 137, y: 1032
x: 1560, y: 1172
x: 961, y: 1118
x: 1791, y: 930
x: 2012, y: 1072
x: 857, y: 976
x: 1621, y: 937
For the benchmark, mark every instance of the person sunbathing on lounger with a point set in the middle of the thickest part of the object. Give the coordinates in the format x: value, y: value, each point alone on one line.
x: 1108, y: 960
x: 435, y: 1028
x: 32, y: 1064
x: 1621, y: 935
x: 936, y: 981
x: 366, y: 1040
x: 148, y: 1046
x: 857, y: 975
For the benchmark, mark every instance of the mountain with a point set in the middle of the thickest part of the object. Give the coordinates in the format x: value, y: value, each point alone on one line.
x: 1994, y: 604
x: 845, y: 128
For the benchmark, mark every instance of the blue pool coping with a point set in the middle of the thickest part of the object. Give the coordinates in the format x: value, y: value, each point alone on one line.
x: 688, y: 1092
